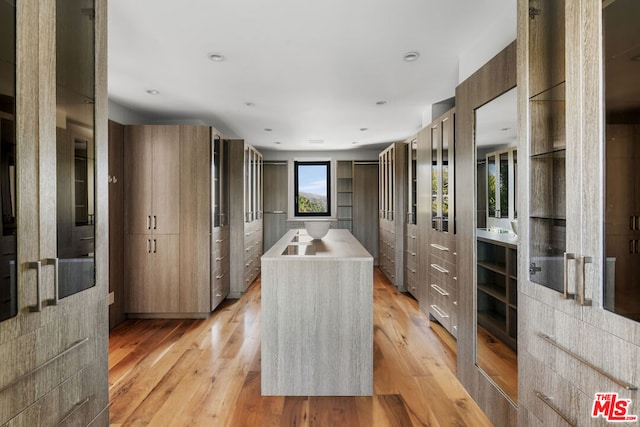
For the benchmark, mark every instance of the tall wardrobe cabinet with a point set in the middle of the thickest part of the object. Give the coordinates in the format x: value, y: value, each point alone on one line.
x: 53, y: 303
x: 392, y: 212
x: 246, y: 232
x: 168, y: 224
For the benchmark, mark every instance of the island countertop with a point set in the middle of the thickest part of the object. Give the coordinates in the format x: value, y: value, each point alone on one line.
x: 317, y: 316
x: 298, y: 245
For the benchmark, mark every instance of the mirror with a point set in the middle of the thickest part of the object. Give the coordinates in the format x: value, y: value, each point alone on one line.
x: 497, y: 242
x: 8, y: 288
x: 621, y: 38
x: 75, y: 162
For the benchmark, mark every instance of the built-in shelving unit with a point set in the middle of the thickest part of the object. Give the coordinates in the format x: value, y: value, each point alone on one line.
x: 345, y: 194
x: 497, y: 289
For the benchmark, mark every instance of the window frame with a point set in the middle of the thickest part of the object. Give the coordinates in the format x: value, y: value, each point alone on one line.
x: 327, y: 164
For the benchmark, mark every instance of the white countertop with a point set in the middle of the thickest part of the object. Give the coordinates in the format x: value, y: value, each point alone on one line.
x: 337, y: 244
x: 508, y: 239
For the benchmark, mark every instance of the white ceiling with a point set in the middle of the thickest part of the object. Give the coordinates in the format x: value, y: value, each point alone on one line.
x: 312, y: 70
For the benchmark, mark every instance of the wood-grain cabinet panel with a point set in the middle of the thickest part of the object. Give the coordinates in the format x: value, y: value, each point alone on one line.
x: 152, y: 270
x: 168, y: 261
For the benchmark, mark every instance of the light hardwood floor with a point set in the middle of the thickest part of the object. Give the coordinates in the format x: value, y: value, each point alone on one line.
x: 207, y: 373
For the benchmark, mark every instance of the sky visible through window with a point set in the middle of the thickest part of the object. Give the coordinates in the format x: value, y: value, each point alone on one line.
x: 312, y: 179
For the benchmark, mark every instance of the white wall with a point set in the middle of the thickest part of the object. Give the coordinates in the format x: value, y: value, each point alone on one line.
x: 497, y: 35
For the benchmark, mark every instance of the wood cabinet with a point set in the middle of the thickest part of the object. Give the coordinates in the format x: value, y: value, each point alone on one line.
x: 411, y: 246
x: 497, y: 287
x: 219, y: 262
x: 365, y: 205
x: 246, y: 210
x: 53, y: 348
x: 344, y: 180
x: 152, y: 187
x: 275, y: 201
x: 436, y: 149
x: 392, y: 211
x: 570, y: 345
x: 168, y: 220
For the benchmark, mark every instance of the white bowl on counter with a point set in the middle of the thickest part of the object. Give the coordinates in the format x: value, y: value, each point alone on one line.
x: 317, y: 229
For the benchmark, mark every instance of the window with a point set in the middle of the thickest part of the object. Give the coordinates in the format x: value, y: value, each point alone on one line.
x: 312, y: 188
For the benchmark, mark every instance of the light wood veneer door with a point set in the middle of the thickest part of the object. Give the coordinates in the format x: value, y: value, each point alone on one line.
x: 138, y: 160
x: 165, y: 183
x: 153, y: 273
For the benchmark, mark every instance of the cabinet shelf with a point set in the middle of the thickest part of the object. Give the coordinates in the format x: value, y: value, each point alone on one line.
x: 492, y: 292
x: 497, y: 268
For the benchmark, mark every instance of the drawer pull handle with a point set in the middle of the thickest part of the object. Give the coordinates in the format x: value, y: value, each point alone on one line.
x: 73, y: 410
x: 220, y: 258
x: 219, y: 240
x: 547, y: 401
x: 439, y: 290
x: 439, y: 247
x: 554, y: 343
x: 440, y: 269
x: 220, y: 277
x: 438, y: 311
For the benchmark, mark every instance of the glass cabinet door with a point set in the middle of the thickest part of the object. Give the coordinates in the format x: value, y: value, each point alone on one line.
x: 216, y: 181
x: 547, y: 97
x: 412, y: 181
x: 8, y: 283
x: 435, y: 178
x: 75, y: 166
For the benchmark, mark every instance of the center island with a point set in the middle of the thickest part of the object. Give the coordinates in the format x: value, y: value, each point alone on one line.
x: 317, y: 316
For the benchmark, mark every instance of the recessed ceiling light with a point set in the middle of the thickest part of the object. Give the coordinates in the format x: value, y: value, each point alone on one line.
x: 381, y: 102
x: 363, y: 129
x: 216, y: 57
x: 268, y: 129
x: 411, y: 56
x: 249, y: 104
x: 316, y: 141
x: 153, y: 92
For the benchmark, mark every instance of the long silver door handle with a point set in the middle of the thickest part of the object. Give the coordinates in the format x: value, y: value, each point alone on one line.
x: 582, y: 261
x: 155, y: 246
x: 565, y: 292
x: 38, y: 267
x: 148, y: 246
x: 148, y: 222
x: 56, y: 263
x: 155, y: 222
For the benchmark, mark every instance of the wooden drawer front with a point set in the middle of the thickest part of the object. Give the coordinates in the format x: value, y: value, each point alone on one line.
x: 25, y: 378
x: 443, y: 272
x: 71, y: 403
x: 442, y: 252
x: 411, y: 280
x: 218, y: 293
x: 454, y: 319
x: 411, y: 258
x: 439, y: 310
x: 411, y: 244
x: 547, y: 390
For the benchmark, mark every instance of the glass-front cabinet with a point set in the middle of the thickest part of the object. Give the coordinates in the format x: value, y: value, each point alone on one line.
x: 578, y: 287
x: 442, y: 173
x: 54, y: 198
x: 8, y: 283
